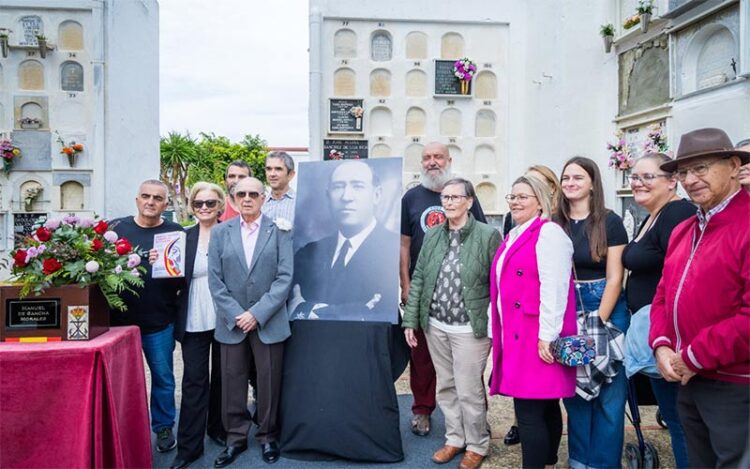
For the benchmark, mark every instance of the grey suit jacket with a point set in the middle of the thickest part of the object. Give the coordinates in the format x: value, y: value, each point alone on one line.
x: 262, y: 289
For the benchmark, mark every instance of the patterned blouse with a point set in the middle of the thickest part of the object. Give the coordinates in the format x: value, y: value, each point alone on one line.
x: 447, y: 304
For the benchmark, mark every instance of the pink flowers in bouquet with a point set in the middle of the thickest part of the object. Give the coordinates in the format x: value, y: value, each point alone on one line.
x: 620, y: 155
x: 464, y: 69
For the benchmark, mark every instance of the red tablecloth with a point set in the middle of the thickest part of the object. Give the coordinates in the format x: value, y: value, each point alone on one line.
x: 74, y: 404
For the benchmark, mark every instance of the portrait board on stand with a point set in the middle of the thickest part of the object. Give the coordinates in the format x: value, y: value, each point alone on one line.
x: 346, y: 241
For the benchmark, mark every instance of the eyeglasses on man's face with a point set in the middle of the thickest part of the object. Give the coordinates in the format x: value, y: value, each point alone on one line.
x: 206, y: 203
x: 452, y: 198
x: 519, y: 197
x: 243, y: 194
x: 698, y: 170
x: 647, y: 178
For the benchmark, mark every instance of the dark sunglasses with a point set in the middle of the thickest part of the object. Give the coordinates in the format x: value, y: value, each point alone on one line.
x: 206, y: 203
x: 243, y: 194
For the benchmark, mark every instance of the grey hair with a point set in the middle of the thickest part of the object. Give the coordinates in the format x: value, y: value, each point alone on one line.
x: 233, y: 188
x: 541, y: 192
x: 468, y: 186
x: 283, y: 156
x: 155, y: 182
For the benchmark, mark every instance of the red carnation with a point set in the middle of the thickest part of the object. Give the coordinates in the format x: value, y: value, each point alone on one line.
x: 20, y: 258
x: 101, y: 227
x: 43, y: 234
x: 96, y: 244
x: 122, y: 246
x: 50, y: 266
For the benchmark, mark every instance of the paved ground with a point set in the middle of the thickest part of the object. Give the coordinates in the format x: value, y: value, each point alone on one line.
x: 418, y: 450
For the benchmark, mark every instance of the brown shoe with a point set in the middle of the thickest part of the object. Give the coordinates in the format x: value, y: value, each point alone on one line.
x: 471, y: 460
x: 445, y: 454
x: 420, y: 424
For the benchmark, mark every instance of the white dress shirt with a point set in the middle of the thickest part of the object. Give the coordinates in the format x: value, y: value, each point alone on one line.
x: 554, y: 255
x: 355, y: 241
x: 249, y: 233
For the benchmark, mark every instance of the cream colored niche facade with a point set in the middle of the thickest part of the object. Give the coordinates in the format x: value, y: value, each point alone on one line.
x: 389, y: 64
x: 96, y: 84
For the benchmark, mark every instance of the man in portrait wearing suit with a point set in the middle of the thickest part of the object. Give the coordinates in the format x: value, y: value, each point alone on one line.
x: 250, y: 274
x: 350, y: 274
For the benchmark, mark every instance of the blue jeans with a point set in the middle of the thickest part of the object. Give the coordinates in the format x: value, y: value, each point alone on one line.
x: 158, y: 348
x: 666, y: 396
x: 596, y: 428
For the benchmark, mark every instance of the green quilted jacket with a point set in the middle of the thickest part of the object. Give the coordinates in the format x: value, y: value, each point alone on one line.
x: 479, y: 242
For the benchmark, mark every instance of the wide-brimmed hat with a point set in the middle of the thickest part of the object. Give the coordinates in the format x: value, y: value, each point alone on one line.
x: 701, y: 143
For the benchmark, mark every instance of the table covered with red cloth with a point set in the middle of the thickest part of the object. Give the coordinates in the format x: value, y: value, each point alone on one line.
x: 74, y: 404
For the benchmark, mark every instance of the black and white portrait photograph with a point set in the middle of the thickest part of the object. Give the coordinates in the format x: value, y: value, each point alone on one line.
x: 346, y: 241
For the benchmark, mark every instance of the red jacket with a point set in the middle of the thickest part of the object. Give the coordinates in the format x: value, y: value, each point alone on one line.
x: 706, y: 315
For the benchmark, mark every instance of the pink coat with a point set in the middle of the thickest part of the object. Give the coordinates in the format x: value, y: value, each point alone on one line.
x: 517, y: 370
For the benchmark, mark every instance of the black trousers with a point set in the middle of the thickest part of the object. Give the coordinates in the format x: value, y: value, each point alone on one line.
x: 715, y: 416
x: 235, y: 360
x: 540, y: 429
x: 200, y: 409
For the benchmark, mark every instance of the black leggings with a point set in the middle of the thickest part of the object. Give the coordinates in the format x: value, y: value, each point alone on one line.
x: 540, y: 428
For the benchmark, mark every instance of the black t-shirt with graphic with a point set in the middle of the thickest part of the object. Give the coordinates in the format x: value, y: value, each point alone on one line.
x: 421, y: 209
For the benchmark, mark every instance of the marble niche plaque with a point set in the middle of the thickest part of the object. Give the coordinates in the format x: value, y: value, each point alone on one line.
x: 342, y: 116
x: 35, y: 150
x: 446, y: 83
x: 24, y: 225
x: 345, y: 149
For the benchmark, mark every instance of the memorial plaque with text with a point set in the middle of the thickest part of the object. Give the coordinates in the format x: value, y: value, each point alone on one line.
x: 32, y: 314
x: 446, y: 83
x: 345, y: 149
x: 23, y: 224
x: 345, y: 116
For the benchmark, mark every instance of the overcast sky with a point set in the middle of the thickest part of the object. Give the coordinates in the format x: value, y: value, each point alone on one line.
x: 235, y: 67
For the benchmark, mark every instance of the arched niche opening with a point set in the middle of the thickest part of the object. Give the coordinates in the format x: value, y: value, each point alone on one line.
x: 345, y: 44
x: 484, y: 160
x: 416, y: 84
x: 71, y: 196
x: 416, y: 121
x: 380, y: 82
x: 485, y: 123
x: 487, y: 195
x: 451, y: 46
x: 485, y: 86
x: 70, y: 36
x: 714, y: 65
x: 381, y: 121
x: 381, y: 46
x: 413, y: 158
x: 71, y: 76
x: 344, y: 82
x: 416, y: 45
x: 381, y: 150
x: 31, y: 75
x: 458, y: 163
x: 450, y: 122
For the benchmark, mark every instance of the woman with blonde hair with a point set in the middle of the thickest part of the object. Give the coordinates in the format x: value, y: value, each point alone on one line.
x: 547, y: 176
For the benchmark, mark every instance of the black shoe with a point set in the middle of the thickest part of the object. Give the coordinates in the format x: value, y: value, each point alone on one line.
x: 270, y: 452
x: 180, y: 463
x: 512, y: 437
x: 165, y: 440
x: 228, y: 456
x: 218, y: 438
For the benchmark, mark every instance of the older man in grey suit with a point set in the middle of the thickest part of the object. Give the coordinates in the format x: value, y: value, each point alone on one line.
x: 250, y: 274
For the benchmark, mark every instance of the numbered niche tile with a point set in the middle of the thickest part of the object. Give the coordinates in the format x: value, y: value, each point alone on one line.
x: 413, y: 158
x: 416, y: 121
x: 31, y: 75
x: 380, y: 83
x: 70, y: 36
x: 345, y: 44
x: 416, y: 84
x: 381, y: 150
x: 416, y: 45
x: 381, y: 46
x: 485, y: 123
x: 451, y: 46
x: 487, y: 195
x: 484, y: 159
x: 344, y: 82
x: 485, y: 85
x: 450, y: 122
x: 381, y: 121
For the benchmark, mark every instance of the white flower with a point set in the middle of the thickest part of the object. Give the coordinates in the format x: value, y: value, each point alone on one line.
x: 283, y: 224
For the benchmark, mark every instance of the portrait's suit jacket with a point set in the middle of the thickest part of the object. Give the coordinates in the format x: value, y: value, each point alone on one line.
x: 371, y: 270
x: 263, y: 288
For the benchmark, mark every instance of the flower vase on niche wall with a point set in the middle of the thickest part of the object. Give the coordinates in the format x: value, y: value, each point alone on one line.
x: 4, y: 43
x: 626, y: 177
x: 464, y: 86
x: 645, y: 19
x: 72, y: 160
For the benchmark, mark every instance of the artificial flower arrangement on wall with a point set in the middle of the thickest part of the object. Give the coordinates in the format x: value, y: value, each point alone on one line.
x: 70, y: 150
x: 9, y: 154
x: 464, y: 69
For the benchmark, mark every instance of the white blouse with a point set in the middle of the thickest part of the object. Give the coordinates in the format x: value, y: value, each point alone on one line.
x: 201, y: 315
x: 554, y: 254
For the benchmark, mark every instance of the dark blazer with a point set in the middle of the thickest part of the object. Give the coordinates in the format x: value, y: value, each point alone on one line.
x: 372, y: 270
x: 191, y: 247
x: 263, y: 288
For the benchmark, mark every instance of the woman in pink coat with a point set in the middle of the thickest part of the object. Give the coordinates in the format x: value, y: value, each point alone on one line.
x: 532, y: 303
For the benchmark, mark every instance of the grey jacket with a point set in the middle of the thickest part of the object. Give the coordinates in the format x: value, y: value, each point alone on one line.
x: 262, y: 289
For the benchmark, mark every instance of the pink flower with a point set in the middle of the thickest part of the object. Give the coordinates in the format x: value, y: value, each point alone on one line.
x: 53, y: 223
x: 92, y: 267
x: 134, y: 260
x: 110, y: 236
x: 135, y: 273
x: 118, y: 270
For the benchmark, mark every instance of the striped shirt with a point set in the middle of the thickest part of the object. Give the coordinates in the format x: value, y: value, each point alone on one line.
x: 280, y: 208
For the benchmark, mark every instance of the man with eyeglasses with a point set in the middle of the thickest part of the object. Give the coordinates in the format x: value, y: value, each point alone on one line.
x: 346, y: 275
x: 700, y: 316
x: 250, y: 273
x: 154, y: 308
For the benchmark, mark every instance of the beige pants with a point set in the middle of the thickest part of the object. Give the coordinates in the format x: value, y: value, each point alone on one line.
x: 459, y: 361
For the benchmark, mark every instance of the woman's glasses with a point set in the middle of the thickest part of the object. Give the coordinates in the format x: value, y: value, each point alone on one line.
x: 205, y: 203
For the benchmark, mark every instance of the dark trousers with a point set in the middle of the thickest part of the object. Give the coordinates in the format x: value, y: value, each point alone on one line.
x: 235, y: 360
x: 714, y: 416
x: 422, y: 378
x: 540, y: 429
x: 200, y: 409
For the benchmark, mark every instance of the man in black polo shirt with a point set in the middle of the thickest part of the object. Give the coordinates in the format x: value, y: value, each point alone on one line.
x: 154, y: 309
x: 421, y: 209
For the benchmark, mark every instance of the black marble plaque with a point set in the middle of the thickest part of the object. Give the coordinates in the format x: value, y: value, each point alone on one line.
x: 23, y: 224
x: 345, y: 149
x: 445, y: 81
x: 32, y: 314
x: 35, y: 148
x: 341, y: 118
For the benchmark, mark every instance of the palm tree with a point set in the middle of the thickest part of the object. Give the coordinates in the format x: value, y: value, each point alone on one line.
x: 177, y: 152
